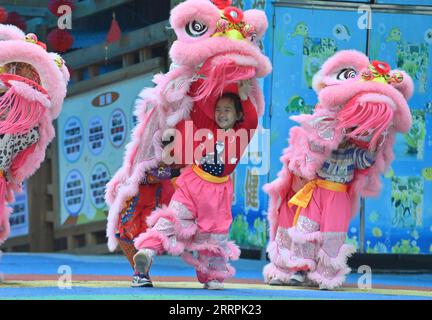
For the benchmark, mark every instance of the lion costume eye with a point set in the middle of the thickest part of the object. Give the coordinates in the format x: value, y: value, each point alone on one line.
x: 196, y: 29
x: 253, y: 37
x: 346, y: 74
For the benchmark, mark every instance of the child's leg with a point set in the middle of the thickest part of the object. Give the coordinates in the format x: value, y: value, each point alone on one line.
x: 278, y: 270
x: 304, y: 238
x: 128, y: 249
x: 332, y: 252
x: 214, y: 252
x: 211, y: 241
x: 212, y: 267
x: 170, y: 227
x: 298, y: 244
x: 294, y: 250
x: 332, y: 258
x: 167, y: 192
x: 132, y: 220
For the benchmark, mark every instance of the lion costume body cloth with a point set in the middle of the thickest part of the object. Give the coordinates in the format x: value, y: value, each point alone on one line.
x: 334, y: 157
x: 32, y: 89
x: 216, y: 52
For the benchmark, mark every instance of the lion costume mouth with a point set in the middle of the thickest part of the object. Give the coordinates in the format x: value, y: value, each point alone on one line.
x: 221, y: 71
x: 22, y: 69
x: 365, y: 121
x: 22, y: 104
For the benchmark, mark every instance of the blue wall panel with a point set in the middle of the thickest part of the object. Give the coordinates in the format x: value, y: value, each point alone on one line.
x: 400, y: 220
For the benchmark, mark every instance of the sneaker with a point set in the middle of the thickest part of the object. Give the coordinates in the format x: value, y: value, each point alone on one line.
x: 297, y: 279
x: 276, y: 282
x: 141, y: 280
x: 214, y: 285
x: 143, y: 260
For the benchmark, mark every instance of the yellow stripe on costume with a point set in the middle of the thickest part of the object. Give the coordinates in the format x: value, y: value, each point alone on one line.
x: 207, y: 176
x: 302, y: 198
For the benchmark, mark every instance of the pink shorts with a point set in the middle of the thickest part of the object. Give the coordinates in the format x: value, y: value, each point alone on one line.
x: 330, y: 209
x: 287, y: 213
x: 209, y: 202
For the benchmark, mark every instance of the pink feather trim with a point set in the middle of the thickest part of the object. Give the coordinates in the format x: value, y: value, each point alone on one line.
x: 286, y: 260
x: 339, y: 262
x: 271, y: 271
x: 212, y: 274
x: 329, y: 284
x: 19, y: 113
x: 173, y: 249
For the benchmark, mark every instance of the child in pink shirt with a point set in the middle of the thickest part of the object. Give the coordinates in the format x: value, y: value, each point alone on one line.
x: 199, y: 215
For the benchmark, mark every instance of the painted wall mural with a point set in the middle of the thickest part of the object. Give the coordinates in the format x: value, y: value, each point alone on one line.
x: 400, y: 221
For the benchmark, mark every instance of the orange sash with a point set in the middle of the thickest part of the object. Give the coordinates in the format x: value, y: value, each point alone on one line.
x: 302, y: 198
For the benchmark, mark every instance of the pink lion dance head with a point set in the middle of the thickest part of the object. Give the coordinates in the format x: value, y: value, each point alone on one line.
x: 216, y: 51
x: 32, y: 89
x: 359, y: 100
x: 368, y: 97
x: 220, y: 42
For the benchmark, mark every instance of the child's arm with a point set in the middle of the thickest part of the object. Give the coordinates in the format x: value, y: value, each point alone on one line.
x: 250, y: 116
